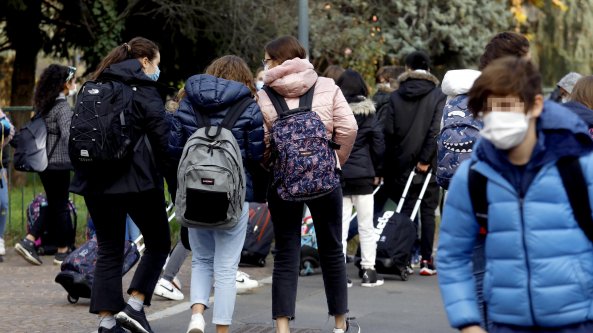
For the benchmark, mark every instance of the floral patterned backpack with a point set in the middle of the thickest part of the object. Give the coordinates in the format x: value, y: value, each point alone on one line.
x: 304, y: 160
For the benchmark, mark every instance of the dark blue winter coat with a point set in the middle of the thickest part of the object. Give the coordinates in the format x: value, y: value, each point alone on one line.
x: 215, y: 96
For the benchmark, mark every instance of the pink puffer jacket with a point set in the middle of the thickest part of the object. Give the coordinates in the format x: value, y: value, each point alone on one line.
x: 293, y: 79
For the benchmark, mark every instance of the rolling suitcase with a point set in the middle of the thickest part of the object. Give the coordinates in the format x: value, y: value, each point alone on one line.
x: 397, y: 234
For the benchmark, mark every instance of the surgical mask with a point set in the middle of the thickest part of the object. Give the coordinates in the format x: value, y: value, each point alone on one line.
x: 155, y: 76
x: 259, y: 85
x: 73, y: 91
x: 505, y: 129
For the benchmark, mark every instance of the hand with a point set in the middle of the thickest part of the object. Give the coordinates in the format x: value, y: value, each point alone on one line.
x: 473, y: 329
x: 422, y: 168
x: 377, y: 181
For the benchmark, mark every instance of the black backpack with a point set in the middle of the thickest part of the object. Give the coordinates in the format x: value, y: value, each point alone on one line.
x: 102, y: 128
x: 574, y: 183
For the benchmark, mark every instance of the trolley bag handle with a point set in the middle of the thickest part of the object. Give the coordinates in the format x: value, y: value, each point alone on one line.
x: 400, y: 204
x: 421, y: 196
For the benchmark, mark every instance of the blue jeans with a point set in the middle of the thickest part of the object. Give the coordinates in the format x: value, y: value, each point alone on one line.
x: 3, y: 201
x: 132, y: 231
x: 216, y: 253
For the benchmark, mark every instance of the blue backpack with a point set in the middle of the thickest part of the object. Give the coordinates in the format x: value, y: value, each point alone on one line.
x: 304, y: 160
x: 458, y: 135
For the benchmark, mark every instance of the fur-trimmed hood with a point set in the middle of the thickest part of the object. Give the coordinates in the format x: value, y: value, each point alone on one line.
x: 416, y: 84
x: 364, y: 108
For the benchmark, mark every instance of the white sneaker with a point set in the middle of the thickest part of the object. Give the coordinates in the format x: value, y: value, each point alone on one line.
x: 166, y: 289
x: 244, y: 282
x: 196, y: 324
x: 2, y: 248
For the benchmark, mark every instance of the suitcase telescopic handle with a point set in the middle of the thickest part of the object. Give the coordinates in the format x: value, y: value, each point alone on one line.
x: 419, y: 200
x: 400, y: 204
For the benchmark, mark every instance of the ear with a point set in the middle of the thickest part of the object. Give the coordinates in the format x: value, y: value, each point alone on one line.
x: 144, y: 62
x: 538, y: 106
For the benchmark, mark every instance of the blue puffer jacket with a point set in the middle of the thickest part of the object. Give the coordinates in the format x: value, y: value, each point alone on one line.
x: 539, y: 263
x: 214, y: 97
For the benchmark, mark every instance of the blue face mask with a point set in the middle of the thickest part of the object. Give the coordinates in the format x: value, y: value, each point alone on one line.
x: 155, y: 76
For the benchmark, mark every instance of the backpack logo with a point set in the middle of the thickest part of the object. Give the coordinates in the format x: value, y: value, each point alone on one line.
x: 93, y: 91
x: 305, y: 161
x: 207, y: 181
x: 84, y: 153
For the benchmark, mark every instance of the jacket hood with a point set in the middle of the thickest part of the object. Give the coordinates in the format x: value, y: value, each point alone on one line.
x: 416, y: 84
x: 582, y: 111
x: 291, y: 79
x: 459, y: 81
x: 363, y: 108
x: 213, y: 94
x: 128, y: 71
x: 560, y: 133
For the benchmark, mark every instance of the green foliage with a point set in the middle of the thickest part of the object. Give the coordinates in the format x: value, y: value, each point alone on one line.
x: 382, y: 32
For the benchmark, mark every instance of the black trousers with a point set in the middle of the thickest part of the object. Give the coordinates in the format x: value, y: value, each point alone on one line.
x: 58, y: 219
x: 327, y: 219
x: 393, y: 189
x: 108, y: 212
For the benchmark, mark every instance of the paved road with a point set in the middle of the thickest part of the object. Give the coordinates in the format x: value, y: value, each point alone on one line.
x: 30, y: 302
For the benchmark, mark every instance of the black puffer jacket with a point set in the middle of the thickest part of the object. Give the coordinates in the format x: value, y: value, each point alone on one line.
x: 214, y: 97
x: 411, y: 123
x: 150, y: 119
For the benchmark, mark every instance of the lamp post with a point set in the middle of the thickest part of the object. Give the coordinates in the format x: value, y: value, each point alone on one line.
x: 304, y: 24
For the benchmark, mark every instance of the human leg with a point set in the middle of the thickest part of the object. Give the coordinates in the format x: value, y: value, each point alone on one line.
x: 327, y: 218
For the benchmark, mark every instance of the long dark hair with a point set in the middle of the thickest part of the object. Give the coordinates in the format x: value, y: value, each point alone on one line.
x: 285, y: 48
x: 50, y: 85
x: 137, y: 47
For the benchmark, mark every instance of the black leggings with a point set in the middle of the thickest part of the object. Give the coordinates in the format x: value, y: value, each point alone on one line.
x: 108, y: 212
x: 57, y: 219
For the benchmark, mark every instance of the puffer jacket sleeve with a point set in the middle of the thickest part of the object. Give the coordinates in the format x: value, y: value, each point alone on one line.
x: 344, y: 125
x: 255, y: 134
x: 377, y: 144
x: 458, y: 233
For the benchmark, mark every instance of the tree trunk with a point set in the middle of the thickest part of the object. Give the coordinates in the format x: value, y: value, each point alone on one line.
x: 22, y: 28
x: 564, y: 40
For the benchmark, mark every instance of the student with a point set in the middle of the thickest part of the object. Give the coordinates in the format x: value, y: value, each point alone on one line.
x: 216, y: 252
x: 55, y: 84
x: 291, y: 75
x: 581, y: 101
x: 137, y: 190
x: 359, y: 174
x: 538, y: 259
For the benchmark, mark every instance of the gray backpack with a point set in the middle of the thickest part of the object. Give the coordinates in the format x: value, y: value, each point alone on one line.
x: 210, y: 178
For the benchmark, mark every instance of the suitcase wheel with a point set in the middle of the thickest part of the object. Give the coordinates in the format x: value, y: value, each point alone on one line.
x: 261, y: 262
x: 404, y: 275
x: 72, y: 299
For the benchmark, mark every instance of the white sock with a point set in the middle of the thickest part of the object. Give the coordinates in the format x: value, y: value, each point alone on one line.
x: 107, y: 321
x: 135, y: 303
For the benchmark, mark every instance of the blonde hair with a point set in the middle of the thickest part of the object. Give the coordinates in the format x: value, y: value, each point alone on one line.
x: 231, y: 67
x: 173, y: 104
x: 583, y: 91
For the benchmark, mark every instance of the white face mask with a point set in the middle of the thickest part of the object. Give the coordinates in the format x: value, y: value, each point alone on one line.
x: 73, y: 91
x: 505, y: 129
x: 259, y: 85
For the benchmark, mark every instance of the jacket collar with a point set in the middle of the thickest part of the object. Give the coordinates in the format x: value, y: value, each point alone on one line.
x: 415, y: 75
x: 364, y: 108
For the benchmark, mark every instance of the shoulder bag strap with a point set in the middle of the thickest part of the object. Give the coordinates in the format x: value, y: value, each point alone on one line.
x: 576, y: 188
x: 477, y: 184
x: 307, y: 99
x: 235, y: 112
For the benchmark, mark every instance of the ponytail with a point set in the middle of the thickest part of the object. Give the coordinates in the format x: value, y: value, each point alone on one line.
x: 138, y: 47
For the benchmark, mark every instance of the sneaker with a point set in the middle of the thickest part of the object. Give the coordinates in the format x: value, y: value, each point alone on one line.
x: 196, y: 324
x: 350, y: 323
x: 2, y: 248
x: 427, y: 268
x: 244, y: 282
x: 60, y: 257
x: 26, y: 249
x: 348, y: 282
x: 168, y: 290
x: 410, y: 269
x: 114, y: 329
x: 133, y: 320
x: 371, y: 279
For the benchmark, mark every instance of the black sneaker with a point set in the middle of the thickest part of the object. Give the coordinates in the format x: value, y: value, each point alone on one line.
x: 133, y: 320
x: 60, y: 257
x: 26, y: 249
x: 371, y: 279
x: 114, y: 329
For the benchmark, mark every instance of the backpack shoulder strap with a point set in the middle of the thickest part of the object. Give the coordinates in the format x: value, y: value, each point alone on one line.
x: 278, y: 101
x: 307, y: 99
x: 576, y: 188
x: 477, y: 184
x: 236, y: 111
